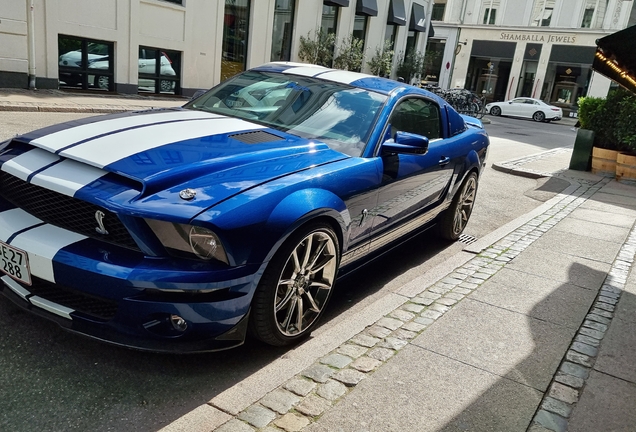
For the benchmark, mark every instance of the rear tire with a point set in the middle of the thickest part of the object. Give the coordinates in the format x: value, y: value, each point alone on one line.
x: 296, y: 286
x: 496, y: 111
x: 456, y: 217
x: 538, y: 116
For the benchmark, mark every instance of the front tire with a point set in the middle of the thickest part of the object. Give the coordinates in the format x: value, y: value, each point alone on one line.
x: 296, y: 286
x: 102, y: 82
x: 496, y: 111
x: 455, y: 218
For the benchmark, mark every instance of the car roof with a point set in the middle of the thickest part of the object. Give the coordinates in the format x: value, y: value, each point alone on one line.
x: 356, y: 79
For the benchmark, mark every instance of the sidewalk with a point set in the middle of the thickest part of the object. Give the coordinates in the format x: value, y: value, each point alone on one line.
x: 66, y: 101
x: 529, y: 328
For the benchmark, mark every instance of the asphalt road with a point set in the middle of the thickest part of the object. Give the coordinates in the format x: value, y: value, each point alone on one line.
x: 51, y: 380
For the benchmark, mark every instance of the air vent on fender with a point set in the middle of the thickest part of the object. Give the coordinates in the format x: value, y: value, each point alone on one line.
x: 256, y: 137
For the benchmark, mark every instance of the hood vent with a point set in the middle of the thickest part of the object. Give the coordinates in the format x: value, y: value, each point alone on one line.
x: 256, y: 137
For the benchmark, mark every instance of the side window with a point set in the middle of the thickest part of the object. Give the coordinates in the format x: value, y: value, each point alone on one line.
x: 418, y: 116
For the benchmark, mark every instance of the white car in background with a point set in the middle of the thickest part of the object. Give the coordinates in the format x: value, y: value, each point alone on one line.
x: 526, y: 107
x: 98, y: 58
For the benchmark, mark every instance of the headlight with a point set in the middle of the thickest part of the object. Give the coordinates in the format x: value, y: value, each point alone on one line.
x: 189, y: 241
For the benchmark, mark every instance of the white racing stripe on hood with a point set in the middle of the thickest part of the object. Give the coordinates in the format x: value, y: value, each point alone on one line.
x: 305, y: 70
x: 58, y: 140
x: 67, y: 177
x: 112, y: 148
x: 41, y: 244
x: 25, y: 164
x: 14, y: 220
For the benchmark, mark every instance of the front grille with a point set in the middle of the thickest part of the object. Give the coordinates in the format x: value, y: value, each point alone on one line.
x: 103, y: 309
x: 63, y: 211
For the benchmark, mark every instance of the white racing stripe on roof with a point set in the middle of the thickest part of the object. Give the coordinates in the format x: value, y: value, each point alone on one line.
x: 25, y: 164
x: 58, y: 140
x: 55, y: 308
x: 305, y: 71
x: 15, y: 287
x: 14, y: 220
x: 106, y: 150
x: 41, y: 244
x: 67, y: 177
x: 344, y: 77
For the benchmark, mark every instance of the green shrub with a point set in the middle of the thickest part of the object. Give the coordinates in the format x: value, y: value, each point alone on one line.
x: 350, y: 54
x: 613, y: 120
x: 382, y: 61
x: 317, y: 49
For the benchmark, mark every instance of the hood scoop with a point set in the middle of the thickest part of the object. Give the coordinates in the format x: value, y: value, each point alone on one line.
x: 256, y: 137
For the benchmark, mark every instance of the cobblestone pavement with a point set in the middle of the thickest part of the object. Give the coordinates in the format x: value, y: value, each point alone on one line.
x: 301, y: 400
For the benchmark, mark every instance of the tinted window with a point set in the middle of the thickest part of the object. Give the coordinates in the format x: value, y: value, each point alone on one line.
x: 418, y: 116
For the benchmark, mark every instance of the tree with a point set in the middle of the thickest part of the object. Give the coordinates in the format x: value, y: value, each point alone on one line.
x: 317, y: 50
x: 382, y: 61
x: 350, y: 54
x: 411, y: 65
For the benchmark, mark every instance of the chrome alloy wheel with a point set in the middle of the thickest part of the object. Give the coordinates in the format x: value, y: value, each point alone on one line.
x: 465, y: 205
x: 305, y: 283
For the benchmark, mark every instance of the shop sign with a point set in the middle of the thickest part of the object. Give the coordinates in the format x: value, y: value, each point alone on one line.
x: 538, y: 37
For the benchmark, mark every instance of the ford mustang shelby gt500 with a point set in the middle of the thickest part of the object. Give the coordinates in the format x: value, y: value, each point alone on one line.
x: 182, y: 229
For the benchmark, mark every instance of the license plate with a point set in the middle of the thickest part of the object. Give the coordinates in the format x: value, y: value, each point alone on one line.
x: 15, y: 263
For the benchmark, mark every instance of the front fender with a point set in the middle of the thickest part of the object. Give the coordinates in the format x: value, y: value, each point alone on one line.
x: 301, y: 207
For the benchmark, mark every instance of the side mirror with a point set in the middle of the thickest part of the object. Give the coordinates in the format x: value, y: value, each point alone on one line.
x: 406, y: 143
x: 509, y: 102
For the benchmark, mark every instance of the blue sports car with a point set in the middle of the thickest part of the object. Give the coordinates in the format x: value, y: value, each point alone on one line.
x: 181, y: 230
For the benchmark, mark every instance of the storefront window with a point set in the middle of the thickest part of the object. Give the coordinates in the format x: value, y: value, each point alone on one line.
x: 235, y: 34
x: 159, y: 71
x: 433, y: 61
x: 283, y: 24
x: 391, y: 32
x: 542, y: 13
x: 329, y: 19
x: 85, y: 63
x: 568, y: 74
x: 360, y: 28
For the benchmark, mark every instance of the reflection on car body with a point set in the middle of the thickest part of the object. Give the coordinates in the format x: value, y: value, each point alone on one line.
x: 181, y: 229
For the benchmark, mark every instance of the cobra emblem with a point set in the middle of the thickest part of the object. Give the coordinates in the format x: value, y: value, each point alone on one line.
x: 99, y: 217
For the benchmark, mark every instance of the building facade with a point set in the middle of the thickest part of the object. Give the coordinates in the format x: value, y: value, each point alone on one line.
x: 533, y: 48
x: 179, y: 46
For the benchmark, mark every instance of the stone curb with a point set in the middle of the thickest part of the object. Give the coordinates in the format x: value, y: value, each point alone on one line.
x: 27, y: 107
x: 515, y: 166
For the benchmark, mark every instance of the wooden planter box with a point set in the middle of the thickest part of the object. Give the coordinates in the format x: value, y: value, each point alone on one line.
x: 604, y: 162
x: 626, y: 168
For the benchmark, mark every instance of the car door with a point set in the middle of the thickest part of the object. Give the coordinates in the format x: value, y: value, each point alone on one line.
x: 412, y: 184
x: 516, y: 107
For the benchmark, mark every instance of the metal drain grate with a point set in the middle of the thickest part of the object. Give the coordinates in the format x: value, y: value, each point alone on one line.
x: 466, y: 239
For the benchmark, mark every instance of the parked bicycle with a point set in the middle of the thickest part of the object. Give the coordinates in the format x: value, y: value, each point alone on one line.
x: 464, y: 101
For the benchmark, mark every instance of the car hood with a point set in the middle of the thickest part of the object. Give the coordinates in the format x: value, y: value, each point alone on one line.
x: 142, y: 161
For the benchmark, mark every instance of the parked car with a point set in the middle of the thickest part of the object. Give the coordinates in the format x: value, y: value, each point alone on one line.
x: 99, y: 59
x: 524, y: 107
x: 179, y: 229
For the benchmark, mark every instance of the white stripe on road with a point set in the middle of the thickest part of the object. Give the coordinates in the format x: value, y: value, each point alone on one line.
x: 67, y: 177
x: 14, y: 220
x: 25, y: 164
x: 41, y: 244
x: 58, y: 140
x: 112, y: 148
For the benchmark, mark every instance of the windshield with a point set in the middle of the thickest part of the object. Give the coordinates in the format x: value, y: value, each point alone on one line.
x: 337, y: 114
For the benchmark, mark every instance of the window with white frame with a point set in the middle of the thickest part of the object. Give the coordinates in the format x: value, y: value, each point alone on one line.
x: 542, y: 13
x: 489, y: 11
x: 594, y: 13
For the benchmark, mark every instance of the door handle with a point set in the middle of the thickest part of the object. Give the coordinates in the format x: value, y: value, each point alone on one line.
x: 444, y: 160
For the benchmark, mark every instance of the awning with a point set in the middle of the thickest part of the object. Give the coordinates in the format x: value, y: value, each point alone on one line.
x: 341, y: 3
x: 367, y: 7
x: 614, y: 58
x: 418, y: 18
x: 397, y: 13
x: 431, y: 30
